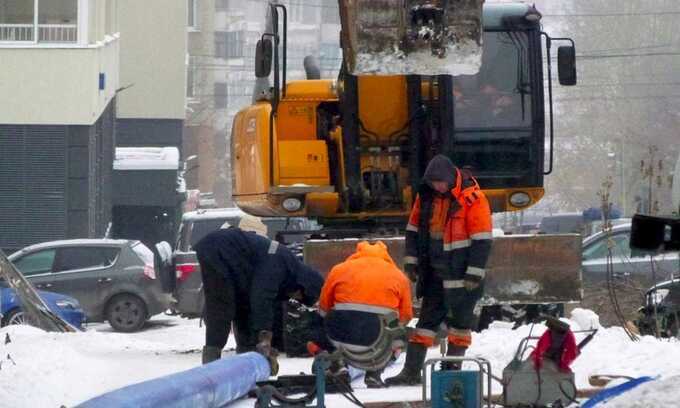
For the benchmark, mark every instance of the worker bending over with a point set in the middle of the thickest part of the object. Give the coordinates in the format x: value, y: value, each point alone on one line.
x: 244, y: 274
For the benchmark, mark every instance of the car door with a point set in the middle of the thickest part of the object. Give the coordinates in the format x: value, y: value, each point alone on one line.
x: 37, y: 267
x: 84, y: 272
x: 624, y: 265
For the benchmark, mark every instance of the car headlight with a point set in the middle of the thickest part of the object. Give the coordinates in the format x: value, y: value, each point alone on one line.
x: 67, y: 304
x: 520, y: 199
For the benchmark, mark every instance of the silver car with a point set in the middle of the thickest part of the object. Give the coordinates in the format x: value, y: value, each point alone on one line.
x: 114, y: 280
x: 640, y: 266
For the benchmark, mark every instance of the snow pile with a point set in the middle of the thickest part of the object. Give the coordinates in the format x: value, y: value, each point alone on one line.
x: 460, y: 59
x: 53, y: 369
x: 585, y: 319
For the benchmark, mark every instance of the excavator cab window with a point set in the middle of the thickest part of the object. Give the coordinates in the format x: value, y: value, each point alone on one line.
x: 499, y: 95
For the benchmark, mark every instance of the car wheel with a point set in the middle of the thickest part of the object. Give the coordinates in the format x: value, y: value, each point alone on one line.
x: 16, y: 316
x: 126, y: 313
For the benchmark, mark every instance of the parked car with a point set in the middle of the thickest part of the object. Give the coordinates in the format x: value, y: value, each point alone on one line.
x: 114, y: 280
x: 661, y: 310
x: 561, y: 224
x: 626, y: 263
x: 188, y: 294
x: 66, y: 307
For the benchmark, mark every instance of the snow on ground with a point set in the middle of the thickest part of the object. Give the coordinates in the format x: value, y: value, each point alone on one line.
x: 54, y: 369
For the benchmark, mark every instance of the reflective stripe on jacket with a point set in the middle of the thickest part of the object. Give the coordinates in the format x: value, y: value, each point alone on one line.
x: 460, y: 231
x: 368, y: 278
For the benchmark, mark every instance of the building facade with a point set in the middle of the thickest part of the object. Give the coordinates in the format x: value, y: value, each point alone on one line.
x: 63, y: 66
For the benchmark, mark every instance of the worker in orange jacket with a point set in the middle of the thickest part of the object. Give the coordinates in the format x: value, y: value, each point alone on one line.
x: 448, y: 240
x: 359, y: 296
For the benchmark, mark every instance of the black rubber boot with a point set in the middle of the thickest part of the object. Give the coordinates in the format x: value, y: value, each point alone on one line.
x: 372, y: 379
x: 410, y: 374
x: 453, y: 351
x: 210, y: 354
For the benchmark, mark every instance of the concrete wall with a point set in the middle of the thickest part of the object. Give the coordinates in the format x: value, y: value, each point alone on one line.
x: 152, y: 58
x: 149, y: 133
x: 52, y: 85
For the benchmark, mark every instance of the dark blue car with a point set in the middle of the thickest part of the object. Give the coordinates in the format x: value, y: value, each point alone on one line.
x: 66, y: 307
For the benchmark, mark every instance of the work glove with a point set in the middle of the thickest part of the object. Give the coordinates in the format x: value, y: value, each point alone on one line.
x: 264, y: 347
x: 411, y: 271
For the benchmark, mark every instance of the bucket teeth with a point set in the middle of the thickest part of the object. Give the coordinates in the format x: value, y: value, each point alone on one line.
x: 392, y: 37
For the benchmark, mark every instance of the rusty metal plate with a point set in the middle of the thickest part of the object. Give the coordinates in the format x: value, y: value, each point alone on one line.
x: 402, y: 37
x: 521, y: 268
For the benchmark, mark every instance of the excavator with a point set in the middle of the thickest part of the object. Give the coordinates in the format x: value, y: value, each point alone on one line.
x: 418, y: 78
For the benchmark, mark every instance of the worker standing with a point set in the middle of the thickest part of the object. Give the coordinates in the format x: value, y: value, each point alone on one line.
x: 361, y: 297
x: 244, y: 274
x: 448, y: 240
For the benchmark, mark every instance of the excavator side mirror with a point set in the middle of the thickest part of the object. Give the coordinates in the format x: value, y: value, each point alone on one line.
x: 263, y: 58
x: 566, y: 65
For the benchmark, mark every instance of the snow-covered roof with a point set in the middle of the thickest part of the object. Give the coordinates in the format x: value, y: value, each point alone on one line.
x: 146, y: 158
x: 213, y: 213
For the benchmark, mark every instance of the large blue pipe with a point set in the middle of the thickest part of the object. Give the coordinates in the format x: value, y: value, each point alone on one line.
x: 211, y: 385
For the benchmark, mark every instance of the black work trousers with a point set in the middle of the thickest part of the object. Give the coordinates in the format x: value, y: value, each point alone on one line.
x: 224, y: 307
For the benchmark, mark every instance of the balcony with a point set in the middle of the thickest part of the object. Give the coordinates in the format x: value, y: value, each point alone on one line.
x: 47, y: 33
x: 27, y: 22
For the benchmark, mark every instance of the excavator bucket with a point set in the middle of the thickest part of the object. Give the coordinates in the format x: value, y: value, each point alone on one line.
x: 404, y: 37
x: 522, y: 269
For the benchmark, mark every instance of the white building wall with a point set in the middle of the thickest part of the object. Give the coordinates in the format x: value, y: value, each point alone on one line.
x: 152, y: 58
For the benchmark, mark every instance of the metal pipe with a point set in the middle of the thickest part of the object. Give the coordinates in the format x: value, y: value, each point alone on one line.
x: 211, y: 385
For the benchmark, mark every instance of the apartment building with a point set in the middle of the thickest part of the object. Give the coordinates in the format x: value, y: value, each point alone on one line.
x: 221, y: 75
x: 62, y: 78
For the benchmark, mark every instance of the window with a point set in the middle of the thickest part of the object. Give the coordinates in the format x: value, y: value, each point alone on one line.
x: 220, y: 95
x: 500, y: 94
x: 229, y: 44
x: 192, y: 14
x: 201, y: 228
x: 74, y: 258
x: 599, y: 249
x: 36, y: 263
x: 56, y: 22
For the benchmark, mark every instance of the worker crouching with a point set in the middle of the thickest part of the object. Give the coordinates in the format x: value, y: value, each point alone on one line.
x: 365, y: 302
x: 448, y: 240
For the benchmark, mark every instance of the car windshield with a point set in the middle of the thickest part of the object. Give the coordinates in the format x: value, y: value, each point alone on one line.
x: 201, y: 228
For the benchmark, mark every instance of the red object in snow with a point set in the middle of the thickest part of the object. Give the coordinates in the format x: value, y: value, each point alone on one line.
x: 568, y: 350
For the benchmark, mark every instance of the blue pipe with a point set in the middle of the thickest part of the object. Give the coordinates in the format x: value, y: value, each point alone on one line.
x: 211, y: 385
x: 609, y: 393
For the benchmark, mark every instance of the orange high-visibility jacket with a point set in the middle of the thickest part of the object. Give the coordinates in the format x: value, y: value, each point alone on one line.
x: 368, y: 280
x: 460, y: 233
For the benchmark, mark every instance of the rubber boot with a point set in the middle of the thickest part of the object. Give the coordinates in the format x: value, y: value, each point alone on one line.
x: 453, y: 351
x: 372, y: 379
x: 210, y: 354
x: 410, y: 374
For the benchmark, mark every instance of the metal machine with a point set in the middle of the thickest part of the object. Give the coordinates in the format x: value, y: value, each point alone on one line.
x: 418, y: 78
